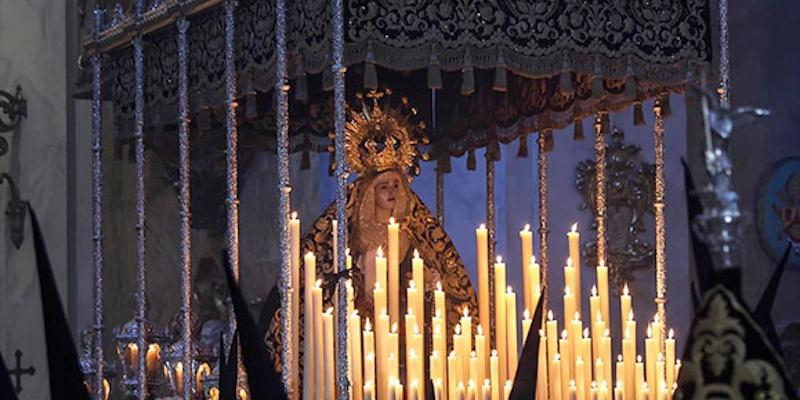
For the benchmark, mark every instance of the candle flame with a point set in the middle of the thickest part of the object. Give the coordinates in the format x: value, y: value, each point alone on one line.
x: 294, y: 214
x: 355, y: 313
x: 541, y: 332
x: 585, y: 333
x: 458, y: 329
x: 412, y: 285
x: 533, y: 259
x: 572, y: 384
x: 438, y: 313
x: 318, y: 284
x: 452, y: 354
x: 567, y: 291
x: 549, y: 315
x: 380, y: 251
x: 383, y: 311
x: 638, y: 358
x: 499, y: 259
x: 656, y: 318
x: 594, y: 385
x: 509, y: 290
x: 678, y: 362
x: 437, y: 330
x: 416, y: 253
x: 439, y: 285
x: 527, y: 228
x: 577, y: 316
x: 367, y: 326
x: 391, y: 220
x: 599, y: 317
x: 377, y: 285
x: 671, y: 333
x: 564, y: 334
x: 594, y: 290
x: 630, y: 315
x: 329, y: 310
x: 410, y: 312
x: 606, y: 333
x: 347, y: 251
x: 625, y: 291
x: 472, y: 354
x: 526, y: 314
x: 574, y: 227
x: 466, y: 311
x: 480, y: 331
x: 649, y: 331
x: 569, y: 261
x: 619, y: 357
x: 482, y: 226
x: 556, y: 357
x: 394, y: 327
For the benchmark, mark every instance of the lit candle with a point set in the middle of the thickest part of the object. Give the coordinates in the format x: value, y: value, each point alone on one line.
x: 466, y: 339
x: 382, y: 352
x: 620, y: 371
x: 526, y: 326
x: 418, y: 276
x: 393, y: 341
x: 586, y: 354
x: 526, y: 240
x: 319, y: 351
x: 355, y: 354
x: 575, y: 331
x: 369, y: 371
x: 555, y: 380
x: 179, y: 377
x: 439, y: 301
x: 310, y: 277
x: 369, y: 351
x: 573, y: 390
x: 482, y: 354
x: 460, y: 395
x: 153, y: 360
x: 452, y: 375
x: 473, y: 367
x: 294, y: 251
x: 624, y: 306
x: 542, y: 383
x: 369, y: 390
x: 657, y: 333
x: 605, y: 347
x: 594, y: 315
x: 494, y: 374
x: 507, y: 390
x: 563, y: 381
x: 486, y: 390
x: 394, y: 271
x: 440, y: 347
x: 569, y: 306
x: 669, y: 350
x: 500, y: 317
x: 602, y: 288
x: 329, y: 366
x: 461, y: 356
x: 565, y: 350
x: 413, y: 390
x: 659, y: 377
x: 602, y: 391
x: 580, y: 379
x: 619, y: 392
x: 536, y: 284
x: 575, y: 255
x: 640, y: 391
x: 481, y: 238
x: 511, y: 333
x: 203, y: 371
x: 650, y: 355
x: 629, y: 354
x: 438, y: 390
x: 569, y: 289
x: 551, y: 329
x: 599, y: 370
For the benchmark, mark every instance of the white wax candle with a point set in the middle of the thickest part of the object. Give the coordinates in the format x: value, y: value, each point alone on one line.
x: 500, y: 317
x: 294, y: 264
x: 575, y: 255
x: 526, y: 245
x: 481, y: 238
x: 308, y: 326
x: 394, y: 271
x: 511, y: 333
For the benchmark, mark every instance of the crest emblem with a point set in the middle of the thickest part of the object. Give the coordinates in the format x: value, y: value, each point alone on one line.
x: 778, y: 210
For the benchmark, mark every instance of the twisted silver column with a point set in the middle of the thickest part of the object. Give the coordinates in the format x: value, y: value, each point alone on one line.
x: 97, y: 208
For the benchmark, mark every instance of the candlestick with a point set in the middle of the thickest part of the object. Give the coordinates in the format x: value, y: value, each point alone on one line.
x: 308, y: 325
x: 573, y: 390
x: 565, y: 350
x: 575, y: 255
x: 602, y: 289
x: 569, y: 306
x: 551, y: 329
x: 382, y: 352
x: 486, y: 390
x: 580, y: 379
x: 500, y: 317
x: 620, y: 371
x: 394, y: 271
x: 542, y: 371
x: 526, y: 241
x: 605, y: 348
x: 650, y: 361
x: 466, y: 341
x: 511, y: 333
x: 481, y: 238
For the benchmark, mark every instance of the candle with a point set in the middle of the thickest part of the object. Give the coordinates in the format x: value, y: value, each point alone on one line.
x: 594, y: 315
x: 551, y: 329
x: 413, y: 390
x: 382, y: 352
x: 481, y: 352
x: 494, y: 374
x: 466, y: 339
x: 461, y: 356
x: 564, y: 377
x: 355, y: 354
x: 599, y: 370
x: 569, y: 305
x: 203, y: 371
x: 650, y: 355
x: 500, y: 317
x: 418, y: 276
x: 438, y: 390
x: 575, y: 330
x: 629, y: 354
x: 369, y: 370
x: 153, y: 360
x: 605, y: 347
x: 620, y: 371
x: 555, y: 380
x: 473, y: 367
x: 526, y: 240
x: 669, y: 350
x: 310, y: 277
x: 659, y: 377
x: 580, y: 379
x: 526, y: 326
x: 294, y: 251
x: 394, y: 271
x: 602, y: 289
x: 565, y: 350
x: 486, y: 390
x: 452, y: 376
x: 213, y: 393
x: 602, y: 391
x: 575, y: 255
x: 369, y: 390
x: 586, y: 355
x: 542, y: 383
x: 573, y: 390
x: 328, y: 350
x: 624, y: 306
x: 440, y: 309
x: 319, y: 354
x: 639, y: 386
x: 659, y: 340
x: 440, y: 347
x: 619, y: 392
x: 507, y: 390
x: 481, y: 238
x: 393, y: 341
x: 460, y: 391
x: 536, y: 285
x: 132, y: 356
x: 178, y: 378
x: 369, y: 351
x: 511, y: 333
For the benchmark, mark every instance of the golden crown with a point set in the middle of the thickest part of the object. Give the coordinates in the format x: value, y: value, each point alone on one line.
x: 380, y: 137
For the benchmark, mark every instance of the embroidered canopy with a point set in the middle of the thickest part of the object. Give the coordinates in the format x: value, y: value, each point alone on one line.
x: 502, y: 68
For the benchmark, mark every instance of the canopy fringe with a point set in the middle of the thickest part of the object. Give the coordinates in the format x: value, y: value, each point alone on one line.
x: 577, y: 134
x: 370, y: 73
x: 468, y: 75
x: 471, y: 163
x: 522, y: 152
x: 565, y: 79
x: 500, y: 74
x: 638, y: 114
x: 434, y: 70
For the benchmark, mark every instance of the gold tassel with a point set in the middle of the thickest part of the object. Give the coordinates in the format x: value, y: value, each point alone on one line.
x: 434, y: 71
x: 471, y: 164
x: 577, y: 134
x: 443, y: 164
x: 666, y: 109
x: 468, y: 75
x: 597, y: 81
x: 523, y: 146
x: 500, y: 77
x: 638, y: 115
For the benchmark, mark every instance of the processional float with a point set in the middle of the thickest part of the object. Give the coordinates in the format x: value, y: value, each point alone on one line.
x: 512, y: 69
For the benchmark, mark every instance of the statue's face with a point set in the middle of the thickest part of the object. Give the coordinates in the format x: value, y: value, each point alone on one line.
x: 387, y: 187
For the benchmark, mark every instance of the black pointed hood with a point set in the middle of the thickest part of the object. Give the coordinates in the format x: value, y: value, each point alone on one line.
x: 527, y: 370
x: 62, y: 355
x: 228, y: 368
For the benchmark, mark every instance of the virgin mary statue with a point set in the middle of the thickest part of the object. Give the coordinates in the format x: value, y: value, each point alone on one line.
x: 380, y: 148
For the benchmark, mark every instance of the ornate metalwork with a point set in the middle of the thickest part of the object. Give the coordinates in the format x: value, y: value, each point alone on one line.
x: 541, y: 160
x: 629, y: 197
x: 722, y: 222
x: 600, y: 186
x: 658, y: 208
x: 15, y: 212
x: 14, y: 107
x: 724, y: 56
x: 490, y: 228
